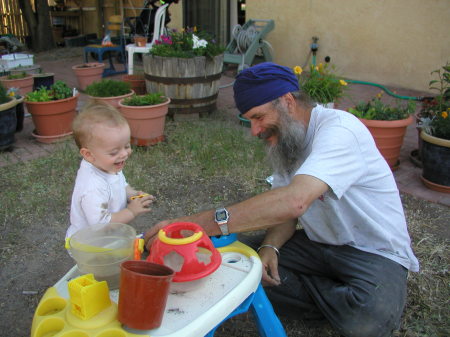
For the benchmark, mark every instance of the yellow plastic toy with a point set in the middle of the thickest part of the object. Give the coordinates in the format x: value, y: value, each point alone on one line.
x: 88, y: 296
x: 139, y: 196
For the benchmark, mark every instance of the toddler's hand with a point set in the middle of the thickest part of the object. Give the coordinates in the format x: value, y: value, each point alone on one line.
x: 141, y: 205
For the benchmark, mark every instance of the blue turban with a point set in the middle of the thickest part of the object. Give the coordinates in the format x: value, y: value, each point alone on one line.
x: 262, y: 83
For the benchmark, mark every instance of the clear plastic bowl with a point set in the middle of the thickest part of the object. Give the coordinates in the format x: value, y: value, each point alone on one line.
x: 100, y: 249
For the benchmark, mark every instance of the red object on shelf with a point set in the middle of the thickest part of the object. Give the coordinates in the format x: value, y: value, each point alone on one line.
x: 186, y: 248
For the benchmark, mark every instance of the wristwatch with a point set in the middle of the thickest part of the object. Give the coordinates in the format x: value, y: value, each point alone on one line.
x: 221, y: 217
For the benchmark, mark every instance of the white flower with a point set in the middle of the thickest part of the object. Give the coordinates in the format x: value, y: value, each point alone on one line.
x: 197, y: 42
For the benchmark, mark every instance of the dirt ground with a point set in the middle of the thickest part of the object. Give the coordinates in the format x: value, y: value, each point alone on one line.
x: 39, y: 260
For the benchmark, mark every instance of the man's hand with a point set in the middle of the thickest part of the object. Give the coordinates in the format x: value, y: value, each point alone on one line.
x: 269, y: 260
x: 151, y: 234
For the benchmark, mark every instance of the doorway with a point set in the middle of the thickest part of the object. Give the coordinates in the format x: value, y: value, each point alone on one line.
x: 217, y: 17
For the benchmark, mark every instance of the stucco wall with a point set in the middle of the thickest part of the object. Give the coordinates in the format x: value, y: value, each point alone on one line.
x: 391, y: 42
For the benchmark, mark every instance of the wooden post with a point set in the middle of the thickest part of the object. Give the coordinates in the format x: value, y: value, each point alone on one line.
x: 99, y: 7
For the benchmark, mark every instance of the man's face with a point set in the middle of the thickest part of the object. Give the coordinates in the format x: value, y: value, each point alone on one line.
x: 283, y: 135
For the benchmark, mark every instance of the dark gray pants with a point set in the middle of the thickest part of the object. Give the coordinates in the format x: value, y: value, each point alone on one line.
x: 361, y: 294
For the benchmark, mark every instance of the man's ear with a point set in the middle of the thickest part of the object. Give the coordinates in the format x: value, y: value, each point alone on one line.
x: 87, y: 154
x: 290, y: 102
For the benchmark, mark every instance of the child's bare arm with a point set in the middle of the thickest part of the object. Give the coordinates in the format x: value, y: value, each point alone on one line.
x: 134, y: 208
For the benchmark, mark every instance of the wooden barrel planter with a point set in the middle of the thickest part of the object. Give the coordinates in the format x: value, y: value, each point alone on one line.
x: 192, y: 84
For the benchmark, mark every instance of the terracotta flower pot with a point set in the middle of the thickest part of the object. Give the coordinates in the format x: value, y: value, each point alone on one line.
x: 113, y: 101
x: 25, y: 84
x: 146, y: 122
x: 140, y: 41
x: 53, y: 118
x: 88, y: 73
x: 388, y: 136
x: 435, y: 154
x: 137, y: 83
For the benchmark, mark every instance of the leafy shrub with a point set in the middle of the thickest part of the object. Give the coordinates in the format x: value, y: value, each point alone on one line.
x: 375, y: 109
x: 321, y: 83
x: 4, y: 98
x: 187, y: 43
x: 58, y: 90
x: 148, y: 99
x: 108, y: 88
x: 434, y: 115
x: 17, y: 76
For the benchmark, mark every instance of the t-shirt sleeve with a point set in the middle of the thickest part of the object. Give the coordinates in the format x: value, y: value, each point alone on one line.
x: 95, y: 206
x: 335, y: 159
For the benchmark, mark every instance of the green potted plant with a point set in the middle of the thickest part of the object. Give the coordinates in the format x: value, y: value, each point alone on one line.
x: 53, y: 111
x: 109, y: 91
x: 88, y: 73
x: 20, y: 109
x: 185, y: 66
x: 387, y: 124
x: 434, y: 122
x: 8, y: 120
x: 29, y: 69
x: 146, y: 115
x: 322, y: 84
x: 23, y: 81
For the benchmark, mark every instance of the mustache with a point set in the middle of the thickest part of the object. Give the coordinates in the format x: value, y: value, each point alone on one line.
x: 269, y: 132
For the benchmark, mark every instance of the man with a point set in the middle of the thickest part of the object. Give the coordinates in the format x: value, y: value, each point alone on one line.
x: 350, y: 260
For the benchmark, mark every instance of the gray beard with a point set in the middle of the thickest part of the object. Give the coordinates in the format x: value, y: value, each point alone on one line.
x: 285, y: 155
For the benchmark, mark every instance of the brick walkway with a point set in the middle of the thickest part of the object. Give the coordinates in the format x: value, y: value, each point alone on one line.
x: 407, y: 176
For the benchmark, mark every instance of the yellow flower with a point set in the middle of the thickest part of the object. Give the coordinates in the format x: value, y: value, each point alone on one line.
x: 444, y: 114
x: 11, y: 93
x: 380, y: 94
x: 298, y: 70
x: 195, y: 29
x: 320, y: 67
x: 317, y: 68
x: 342, y: 82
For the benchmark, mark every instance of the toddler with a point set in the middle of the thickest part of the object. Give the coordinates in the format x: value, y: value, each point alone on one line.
x: 101, y: 193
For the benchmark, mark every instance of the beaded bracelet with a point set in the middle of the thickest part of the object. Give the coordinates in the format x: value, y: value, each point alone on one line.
x: 273, y: 247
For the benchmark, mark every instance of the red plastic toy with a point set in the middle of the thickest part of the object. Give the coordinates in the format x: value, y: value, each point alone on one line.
x: 186, y: 248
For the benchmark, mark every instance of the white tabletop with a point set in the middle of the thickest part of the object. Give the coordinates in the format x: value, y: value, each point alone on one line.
x: 193, y: 309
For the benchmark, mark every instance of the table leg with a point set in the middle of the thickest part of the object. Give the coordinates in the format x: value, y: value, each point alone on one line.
x: 130, y: 61
x: 267, y: 321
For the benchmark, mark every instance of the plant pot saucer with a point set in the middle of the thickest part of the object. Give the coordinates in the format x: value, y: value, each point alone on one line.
x: 414, y: 156
x: 51, y: 139
x: 435, y: 187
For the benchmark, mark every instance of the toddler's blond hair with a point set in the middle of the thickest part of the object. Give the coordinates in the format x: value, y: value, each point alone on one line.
x: 93, y: 114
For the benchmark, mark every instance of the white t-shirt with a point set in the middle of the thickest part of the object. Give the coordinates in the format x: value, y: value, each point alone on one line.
x: 362, y: 207
x: 96, y: 195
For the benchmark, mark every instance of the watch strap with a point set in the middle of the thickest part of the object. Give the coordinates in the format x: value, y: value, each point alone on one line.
x: 224, y: 228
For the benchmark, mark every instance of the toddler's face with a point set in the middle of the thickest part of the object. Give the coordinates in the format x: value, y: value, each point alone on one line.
x: 109, y: 148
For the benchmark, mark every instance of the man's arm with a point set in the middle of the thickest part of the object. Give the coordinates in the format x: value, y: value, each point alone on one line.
x: 269, y: 250
x: 271, y: 208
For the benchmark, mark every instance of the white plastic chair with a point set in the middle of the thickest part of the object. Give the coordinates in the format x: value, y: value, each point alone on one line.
x: 158, y: 30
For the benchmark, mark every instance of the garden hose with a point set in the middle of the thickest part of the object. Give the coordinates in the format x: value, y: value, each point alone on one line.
x: 419, y: 98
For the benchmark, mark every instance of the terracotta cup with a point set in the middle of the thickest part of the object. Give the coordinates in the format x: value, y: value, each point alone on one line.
x: 144, y: 288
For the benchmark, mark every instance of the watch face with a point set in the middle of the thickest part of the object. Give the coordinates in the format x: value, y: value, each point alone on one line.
x: 221, y: 215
